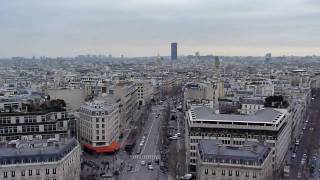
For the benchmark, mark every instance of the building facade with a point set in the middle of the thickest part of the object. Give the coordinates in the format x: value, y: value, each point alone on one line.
x: 47, y: 124
x: 233, y: 162
x: 267, y: 126
x: 39, y: 159
x: 99, y: 124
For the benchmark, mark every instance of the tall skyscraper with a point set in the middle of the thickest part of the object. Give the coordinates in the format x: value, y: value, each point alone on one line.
x: 174, y: 51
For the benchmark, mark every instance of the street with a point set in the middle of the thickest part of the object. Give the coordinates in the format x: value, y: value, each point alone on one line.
x: 306, y: 163
x: 149, y: 152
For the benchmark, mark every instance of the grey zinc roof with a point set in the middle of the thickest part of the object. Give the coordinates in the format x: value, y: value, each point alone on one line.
x: 263, y: 115
x: 12, y: 155
x: 251, y: 151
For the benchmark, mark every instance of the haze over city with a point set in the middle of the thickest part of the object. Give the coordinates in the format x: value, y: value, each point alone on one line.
x: 145, y: 27
x: 159, y: 90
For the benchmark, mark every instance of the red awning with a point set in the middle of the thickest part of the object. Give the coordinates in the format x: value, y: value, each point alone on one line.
x: 113, y: 147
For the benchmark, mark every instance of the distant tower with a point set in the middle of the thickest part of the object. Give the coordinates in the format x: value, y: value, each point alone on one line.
x: 217, y: 65
x: 158, y: 60
x: 174, y: 51
x: 267, y: 58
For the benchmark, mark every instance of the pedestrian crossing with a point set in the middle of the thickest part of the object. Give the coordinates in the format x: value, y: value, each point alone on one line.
x: 153, y: 157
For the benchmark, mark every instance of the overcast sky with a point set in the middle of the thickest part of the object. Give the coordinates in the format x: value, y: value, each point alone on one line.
x: 146, y: 27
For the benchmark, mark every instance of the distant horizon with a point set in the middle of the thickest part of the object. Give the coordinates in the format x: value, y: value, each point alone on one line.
x: 138, y: 28
x: 154, y: 56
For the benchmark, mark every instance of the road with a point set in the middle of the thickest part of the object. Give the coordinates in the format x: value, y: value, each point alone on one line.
x: 149, y: 152
x: 309, y: 144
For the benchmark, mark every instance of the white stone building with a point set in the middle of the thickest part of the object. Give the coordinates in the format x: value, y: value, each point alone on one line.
x: 233, y: 162
x: 39, y: 159
x: 99, y: 124
x: 251, y: 105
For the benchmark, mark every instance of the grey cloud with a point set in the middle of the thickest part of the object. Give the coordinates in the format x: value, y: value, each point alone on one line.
x: 145, y: 27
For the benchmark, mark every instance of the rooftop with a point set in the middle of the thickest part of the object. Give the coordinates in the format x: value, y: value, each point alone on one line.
x: 266, y: 115
x: 35, y: 151
x: 250, y: 152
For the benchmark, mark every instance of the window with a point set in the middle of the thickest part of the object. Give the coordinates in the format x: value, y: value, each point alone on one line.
x: 37, y: 171
x: 97, y: 125
x: 97, y: 131
x: 23, y: 173
x: 30, y: 172
x: 47, y: 171
x: 237, y: 173
x: 102, y: 125
x: 213, y: 172
x: 254, y: 175
x: 247, y: 174
x: 54, y: 170
x: 5, y: 174
x: 102, y: 119
x: 223, y: 172
x: 230, y: 172
x: 13, y: 173
x: 206, y: 171
x: 97, y: 119
x: 97, y: 137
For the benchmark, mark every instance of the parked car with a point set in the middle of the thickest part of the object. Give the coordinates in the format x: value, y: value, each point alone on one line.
x: 143, y: 163
x: 186, y: 176
x: 150, y: 167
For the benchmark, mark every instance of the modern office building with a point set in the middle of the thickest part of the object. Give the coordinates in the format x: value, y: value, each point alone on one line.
x: 174, y: 51
x: 99, y: 125
x: 40, y: 159
x: 267, y: 126
x: 233, y: 162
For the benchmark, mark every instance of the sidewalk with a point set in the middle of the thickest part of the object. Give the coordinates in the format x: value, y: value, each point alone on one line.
x: 126, y: 132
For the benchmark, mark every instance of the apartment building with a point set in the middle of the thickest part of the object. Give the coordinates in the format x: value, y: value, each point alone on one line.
x: 19, y: 119
x: 127, y: 92
x: 40, y: 159
x: 251, y: 105
x: 99, y: 124
x: 233, y: 162
x: 145, y: 91
x: 268, y: 126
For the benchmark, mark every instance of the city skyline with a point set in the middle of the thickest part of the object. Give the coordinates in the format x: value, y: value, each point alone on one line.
x: 146, y: 28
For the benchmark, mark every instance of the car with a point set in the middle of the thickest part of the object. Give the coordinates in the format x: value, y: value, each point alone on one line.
x: 297, y: 142
x: 186, y: 176
x: 293, y: 155
x: 150, y: 167
x: 130, y: 168
x: 178, y: 134
x: 307, y: 121
x: 141, y: 144
x: 173, y: 138
x: 139, y: 150
x: 143, y: 163
x: 142, y: 141
x: 299, y: 175
x: 157, y: 161
x: 149, y: 163
x: 305, y: 155
x: 304, y: 128
x: 311, y: 129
